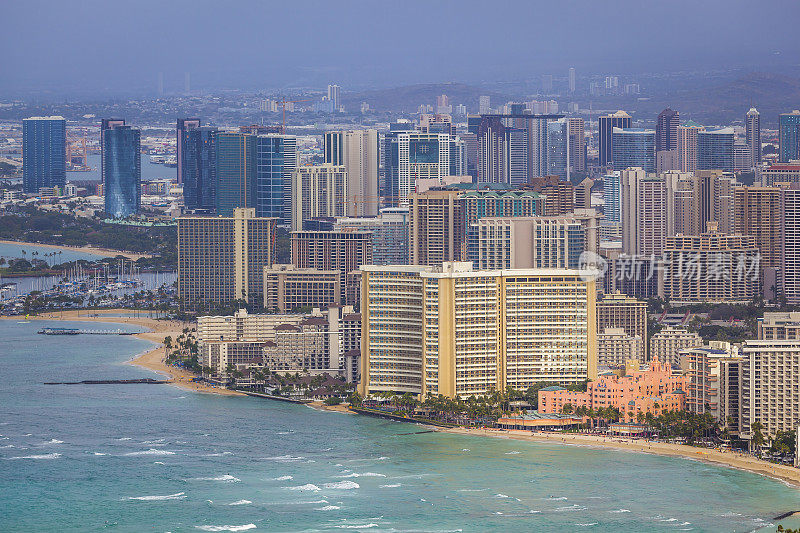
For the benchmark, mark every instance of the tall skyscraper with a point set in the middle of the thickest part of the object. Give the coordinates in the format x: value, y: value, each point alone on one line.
x: 122, y: 170
x: 577, y: 144
x: 416, y: 155
x: 606, y: 125
x: 752, y: 130
x: 633, y: 147
x: 458, y: 332
x: 484, y: 105
x: 333, y: 96
x: 436, y: 227
x: 571, y: 77
x: 222, y: 259
x: 43, y: 153
x: 790, y: 243
x: 788, y: 128
x: 757, y: 212
x: 715, y: 150
x: 318, y: 191
x: 198, y: 166
x: 357, y: 150
x: 183, y: 125
x: 667, y: 130
x: 276, y: 160
x: 558, y: 156
x: 687, y: 146
x: 236, y: 173
x: 644, y: 213
x: 106, y: 124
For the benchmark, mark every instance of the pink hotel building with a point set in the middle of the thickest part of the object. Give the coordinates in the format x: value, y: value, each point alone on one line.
x: 654, y: 390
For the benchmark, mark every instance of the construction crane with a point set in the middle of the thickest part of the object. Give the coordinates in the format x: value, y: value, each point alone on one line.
x: 282, y: 102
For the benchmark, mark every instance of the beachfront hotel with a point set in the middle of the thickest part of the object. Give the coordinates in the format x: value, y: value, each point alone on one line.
x: 458, y: 332
x: 654, y: 390
x: 222, y: 259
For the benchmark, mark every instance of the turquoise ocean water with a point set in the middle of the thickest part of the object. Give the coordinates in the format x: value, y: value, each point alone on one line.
x: 156, y: 458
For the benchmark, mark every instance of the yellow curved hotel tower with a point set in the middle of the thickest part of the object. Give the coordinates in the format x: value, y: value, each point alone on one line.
x: 454, y: 331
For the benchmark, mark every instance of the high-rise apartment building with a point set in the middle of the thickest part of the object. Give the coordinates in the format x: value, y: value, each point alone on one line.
x: 122, y: 170
x: 571, y: 79
x: 344, y: 251
x: 687, y: 146
x: 106, y: 124
x: 606, y: 125
x: 182, y: 126
x: 222, y: 259
x: 536, y: 242
x: 43, y: 153
x: 711, y: 268
x: 357, y: 150
x: 779, y: 326
x: 644, y: 212
x: 559, y: 195
x: 197, y: 165
x: 333, y: 97
x: 667, y: 130
x: 389, y: 234
x: 318, y: 191
x: 752, y: 132
x: 415, y: 155
x: 436, y: 227
x: 633, y: 147
x: 458, y: 332
x: 715, y: 150
x: 757, y: 212
x: 577, y: 144
x: 788, y: 136
x: 615, y: 348
x: 707, y: 371
x: 287, y: 287
x: 667, y: 344
x: 236, y: 172
x: 790, y: 243
x: 276, y: 160
x: 769, y: 386
x: 616, y: 310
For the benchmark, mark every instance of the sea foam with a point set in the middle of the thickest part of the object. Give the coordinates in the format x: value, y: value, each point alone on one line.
x: 306, y: 487
x: 176, y: 496
x: 241, y: 502
x: 226, y: 477
x: 342, y: 485
x: 44, y: 456
x: 151, y: 451
x: 245, y: 527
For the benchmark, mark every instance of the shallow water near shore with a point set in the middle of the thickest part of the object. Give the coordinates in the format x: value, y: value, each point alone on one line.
x: 154, y: 457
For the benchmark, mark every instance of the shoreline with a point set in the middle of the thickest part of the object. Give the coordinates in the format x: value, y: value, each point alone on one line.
x: 153, y: 358
x: 100, y: 252
x: 786, y: 474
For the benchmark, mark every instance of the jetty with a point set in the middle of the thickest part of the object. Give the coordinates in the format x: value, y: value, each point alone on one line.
x: 77, y: 331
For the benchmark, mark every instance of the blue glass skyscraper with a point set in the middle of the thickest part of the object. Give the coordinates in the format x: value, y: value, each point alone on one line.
x: 43, y: 153
x: 715, y: 150
x: 236, y: 172
x: 632, y: 147
x: 789, y: 136
x: 198, y: 167
x: 276, y: 160
x: 122, y: 170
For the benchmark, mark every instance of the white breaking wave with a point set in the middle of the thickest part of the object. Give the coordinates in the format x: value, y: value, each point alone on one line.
x: 226, y: 477
x: 45, y: 456
x: 365, y: 474
x: 306, y: 487
x: 227, y: 528
x: 365, y: 526
x: 589, y: 524
x: 500, y: 496
x: 241, y: 502
x: 282, y: 478
x: 124, y: 438
x: 286, y: 458
x: 99, y: 453
x: 620, y: 511
x: 7, y: 446
x: 216, y: 454
x: 512, y: 452
x: 328, y: 508
x: 151, y: 451
x: 392, y: 486
x: 343, y: 485
x: 53, y: 441
x: 176, y: 496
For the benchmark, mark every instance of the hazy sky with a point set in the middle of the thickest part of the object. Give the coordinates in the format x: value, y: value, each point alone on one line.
x: 113, y: 46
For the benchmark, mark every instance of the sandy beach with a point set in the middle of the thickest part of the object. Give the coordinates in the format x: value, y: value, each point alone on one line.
x: 153, y: 359
x: 101, y: 252
x: 784, y: 473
